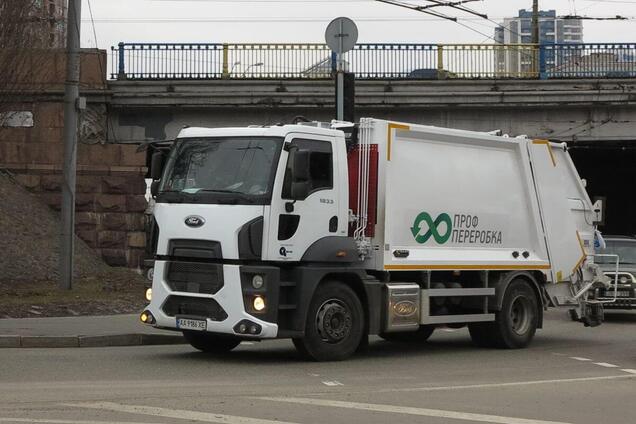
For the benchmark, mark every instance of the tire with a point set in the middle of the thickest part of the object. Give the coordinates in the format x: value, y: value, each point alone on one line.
x: 516, y: 323
x: 211, y: 343
x: 334, y: 329
x: 419, y: 336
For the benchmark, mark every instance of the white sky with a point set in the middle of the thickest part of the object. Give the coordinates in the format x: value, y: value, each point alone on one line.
x: 262, y: 21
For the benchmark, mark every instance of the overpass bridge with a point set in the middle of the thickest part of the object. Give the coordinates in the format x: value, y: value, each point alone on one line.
x: 564, y: 110
x: 568, y: 92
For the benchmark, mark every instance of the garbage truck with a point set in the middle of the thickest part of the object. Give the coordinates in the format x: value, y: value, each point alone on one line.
x: 327, y: 233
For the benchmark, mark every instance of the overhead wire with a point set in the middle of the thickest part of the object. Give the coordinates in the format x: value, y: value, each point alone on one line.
x: 523, y: 53
x: 416, y: 8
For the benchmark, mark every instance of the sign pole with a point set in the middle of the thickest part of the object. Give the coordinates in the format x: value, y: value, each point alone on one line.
x: 341, y: 36
x: 340, y: 90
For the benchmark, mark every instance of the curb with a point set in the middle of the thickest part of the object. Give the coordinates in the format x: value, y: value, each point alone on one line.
x: 113, y: 340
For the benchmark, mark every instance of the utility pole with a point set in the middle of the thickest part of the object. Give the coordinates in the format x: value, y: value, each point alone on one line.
x: 535, y: 35
x: 71, y: 106
x: 535, y: 21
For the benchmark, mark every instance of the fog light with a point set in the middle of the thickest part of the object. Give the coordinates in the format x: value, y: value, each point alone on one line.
x: 242, y: 328
x: 259, y: 303
x: 253, y: 329
x: 148, y: 295
x: 147, y: 318
x: 257, y: 281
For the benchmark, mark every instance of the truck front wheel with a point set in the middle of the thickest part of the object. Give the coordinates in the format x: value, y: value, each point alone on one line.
x: 515, y: 324
x: 335, y: 324
x: 211, y: 343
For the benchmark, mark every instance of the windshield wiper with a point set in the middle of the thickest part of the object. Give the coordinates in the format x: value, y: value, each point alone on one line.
x: 240, y: 194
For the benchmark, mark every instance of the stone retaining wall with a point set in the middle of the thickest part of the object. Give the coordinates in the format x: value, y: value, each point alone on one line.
x: 110, y: 191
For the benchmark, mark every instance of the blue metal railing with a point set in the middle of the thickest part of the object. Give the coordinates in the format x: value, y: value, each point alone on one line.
x: 179, y: 61
x: 590, y: 60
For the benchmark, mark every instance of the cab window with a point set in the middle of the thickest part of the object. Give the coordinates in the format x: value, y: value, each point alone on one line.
x: 320, y: 165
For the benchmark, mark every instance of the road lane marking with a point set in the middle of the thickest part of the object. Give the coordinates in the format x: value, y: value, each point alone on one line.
x: 437, y: 413
x: 631, y: 371
x: 605, y: 364
x: 180, y: 414
x: 510, y: 384
x: 578, y: 358
x: 332, y: 383
x: 45, y: 421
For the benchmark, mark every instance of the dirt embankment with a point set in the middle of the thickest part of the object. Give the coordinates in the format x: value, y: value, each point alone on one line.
x: 29, y: 265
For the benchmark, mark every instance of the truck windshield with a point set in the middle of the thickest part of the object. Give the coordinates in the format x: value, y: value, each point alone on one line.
x: 221, y: 170
x: 625, y: 249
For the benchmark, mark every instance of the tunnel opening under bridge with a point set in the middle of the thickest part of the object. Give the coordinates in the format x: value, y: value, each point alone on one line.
x: 609, y: 167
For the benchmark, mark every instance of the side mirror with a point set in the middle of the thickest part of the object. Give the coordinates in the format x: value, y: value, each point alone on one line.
x: 156, y: 165
x: 154, y: 188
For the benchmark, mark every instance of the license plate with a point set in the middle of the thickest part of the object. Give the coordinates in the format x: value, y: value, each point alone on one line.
x: 192, y: 324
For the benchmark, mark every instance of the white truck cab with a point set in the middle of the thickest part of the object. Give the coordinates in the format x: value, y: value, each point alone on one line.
x: 326, y: 233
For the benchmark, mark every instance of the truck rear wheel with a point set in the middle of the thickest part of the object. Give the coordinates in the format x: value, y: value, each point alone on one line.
x: 515, y: 324
x: 419, y: 336
x: 211, y: 343
x: 335, y: 324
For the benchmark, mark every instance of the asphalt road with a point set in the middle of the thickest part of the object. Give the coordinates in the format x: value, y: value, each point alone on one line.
x: 570, y: 374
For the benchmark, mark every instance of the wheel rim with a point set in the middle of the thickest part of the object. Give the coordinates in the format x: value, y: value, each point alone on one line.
x: 520, y: 315
x: 333, y: 321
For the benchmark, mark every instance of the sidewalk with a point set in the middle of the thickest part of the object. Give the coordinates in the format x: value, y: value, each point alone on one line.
x: 82, y: 331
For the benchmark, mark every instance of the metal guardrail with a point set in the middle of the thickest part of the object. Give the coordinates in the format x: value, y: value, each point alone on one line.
x: 590, y: 60
x: 172, y: 61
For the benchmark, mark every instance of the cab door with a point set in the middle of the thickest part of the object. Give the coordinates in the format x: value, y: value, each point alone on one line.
x: 295, y: 224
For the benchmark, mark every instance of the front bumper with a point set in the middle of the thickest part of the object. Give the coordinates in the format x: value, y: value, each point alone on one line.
x: 625, y: 299
x: 619, y: 303
x: 220, y: 303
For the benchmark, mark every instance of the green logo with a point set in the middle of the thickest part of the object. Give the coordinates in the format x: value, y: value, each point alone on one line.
x: 432, y: 228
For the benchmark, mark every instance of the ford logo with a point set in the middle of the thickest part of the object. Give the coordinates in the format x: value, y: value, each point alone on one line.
x: 194, y: 221
x: 405, y: 308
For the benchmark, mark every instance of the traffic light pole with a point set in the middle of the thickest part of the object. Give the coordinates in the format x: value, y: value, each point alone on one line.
x: 71, y: 103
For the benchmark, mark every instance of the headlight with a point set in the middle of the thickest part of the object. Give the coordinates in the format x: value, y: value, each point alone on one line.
x: 148, y: 295
x: 259, y: 303
x: 623, y: 279
x: 257, y: 281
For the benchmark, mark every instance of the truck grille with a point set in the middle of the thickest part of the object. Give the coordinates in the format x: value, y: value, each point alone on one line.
x: 195, y: 277
x: 200, y: 307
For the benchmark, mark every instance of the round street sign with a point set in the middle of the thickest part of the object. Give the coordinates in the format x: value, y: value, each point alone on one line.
x: 341, y: 35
